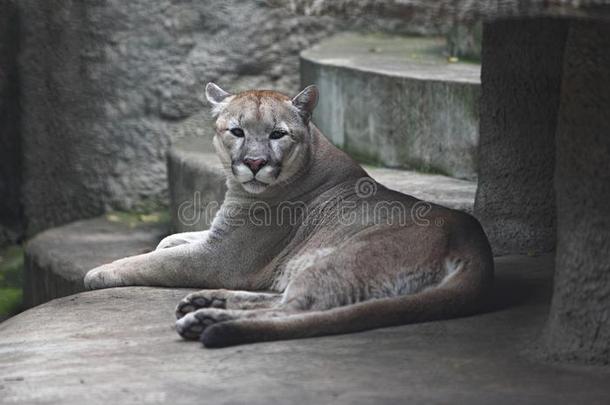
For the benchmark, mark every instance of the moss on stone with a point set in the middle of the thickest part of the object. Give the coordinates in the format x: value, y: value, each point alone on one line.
x: 362, y: 157
x: 430, y: 169
x: 11, y: 280
x: 134, y: 219
x: 368, y: 159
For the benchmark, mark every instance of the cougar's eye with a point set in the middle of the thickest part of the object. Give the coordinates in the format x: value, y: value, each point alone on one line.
x: 238, y: 132
x: 277, y: 134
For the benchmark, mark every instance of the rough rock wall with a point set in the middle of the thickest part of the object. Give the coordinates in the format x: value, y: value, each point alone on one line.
x: 520, y: 87
x: 108, y: 85
x: 439, y: 12
x: 580, y: 311
x: 10, y: 146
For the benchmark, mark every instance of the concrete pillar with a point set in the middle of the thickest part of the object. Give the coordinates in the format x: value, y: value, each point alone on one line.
x: 520, y: 87
x: 579, y: 324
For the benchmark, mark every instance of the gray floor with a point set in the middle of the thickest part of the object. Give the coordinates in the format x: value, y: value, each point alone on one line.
x: 117, y: 346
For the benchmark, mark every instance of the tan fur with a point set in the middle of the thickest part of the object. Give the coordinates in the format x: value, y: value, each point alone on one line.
x: 312, y: 229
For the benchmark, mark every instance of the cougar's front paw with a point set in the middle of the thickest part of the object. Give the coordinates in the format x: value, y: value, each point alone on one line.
x: 105, y: 276
x: 200, y: 299
x: 192, y: 325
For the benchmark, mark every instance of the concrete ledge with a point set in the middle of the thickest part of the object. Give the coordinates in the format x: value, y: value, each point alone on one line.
x: 57, y: 260
x: 396, y: 101
x: 197, y: 186
x: 117, y: 346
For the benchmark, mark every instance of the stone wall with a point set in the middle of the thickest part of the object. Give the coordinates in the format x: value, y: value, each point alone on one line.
x: 107, y: 86
x: 441, y: 12
x: 520, y: 86
x: 10, y: 146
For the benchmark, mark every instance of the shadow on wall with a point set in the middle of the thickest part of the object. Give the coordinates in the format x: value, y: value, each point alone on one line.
x: 11, y: 218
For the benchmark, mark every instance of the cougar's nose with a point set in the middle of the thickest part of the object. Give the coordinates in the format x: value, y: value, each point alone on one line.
x: 255, y: 164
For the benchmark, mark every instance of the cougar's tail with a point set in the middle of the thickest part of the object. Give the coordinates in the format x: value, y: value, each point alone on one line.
x: 442, y: 302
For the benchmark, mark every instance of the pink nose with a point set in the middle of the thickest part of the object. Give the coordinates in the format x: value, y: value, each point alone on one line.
x: 255, y: 164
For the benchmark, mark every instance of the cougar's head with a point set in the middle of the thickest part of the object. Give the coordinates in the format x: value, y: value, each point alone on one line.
x: 262, y: 136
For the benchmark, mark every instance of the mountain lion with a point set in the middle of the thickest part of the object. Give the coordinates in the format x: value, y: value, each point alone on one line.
x: 305, y: 242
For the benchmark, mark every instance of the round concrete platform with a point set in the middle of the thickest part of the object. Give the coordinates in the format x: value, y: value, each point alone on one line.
x: 396, y: 101
x: 117, y: 346
x: 57, y: 260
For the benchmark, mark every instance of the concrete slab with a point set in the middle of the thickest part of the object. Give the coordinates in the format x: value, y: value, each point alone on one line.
x: 117, y: 346
x: 396, y: 101
x: 197, y: 186
x: 57, y: 260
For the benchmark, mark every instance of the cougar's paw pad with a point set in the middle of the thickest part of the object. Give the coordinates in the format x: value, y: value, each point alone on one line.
x: 192, y: 325
x: 197, y: 300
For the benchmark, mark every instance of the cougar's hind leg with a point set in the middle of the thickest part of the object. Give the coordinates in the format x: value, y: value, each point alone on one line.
x: 202, y: 309
x: 192, y: 325
x: 318, y: 287
x: 226, y: 299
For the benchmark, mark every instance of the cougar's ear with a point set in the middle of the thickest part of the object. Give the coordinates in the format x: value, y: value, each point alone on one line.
x: 306, y: 101
x: 216, y: 96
